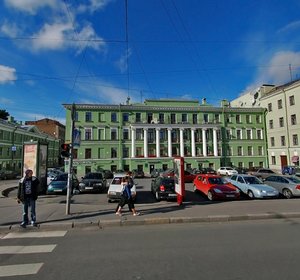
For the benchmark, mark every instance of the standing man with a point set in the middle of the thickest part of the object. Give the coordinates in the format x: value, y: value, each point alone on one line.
x: 28, y: 194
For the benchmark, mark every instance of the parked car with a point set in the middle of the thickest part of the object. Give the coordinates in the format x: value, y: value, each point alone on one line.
x: 215, y: 187
x: 156, y: 172
x: 262, y: 173
x: 228, y: 171
x: 108, y: 174
x: 8, y: 174
x: 253, y: 187
x: 51, y: 174
x: 291, y: 170
x: 138, y: 173
x: 115, y: 188
x: 163, y: 188
x: 288, y: 186
x: 93, y: 182
x: 188, y: 177
x: 59, y: 184
x: 206, y: 170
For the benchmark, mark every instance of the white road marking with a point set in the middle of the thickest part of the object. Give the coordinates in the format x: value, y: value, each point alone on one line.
x: 27, y: 249
x: 19, y: 269
x: 34, y: 234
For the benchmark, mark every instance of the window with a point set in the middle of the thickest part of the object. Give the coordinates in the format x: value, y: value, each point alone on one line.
x: 260, y: 150
x: 279, y: 103
x: 161, y: 118
x: 271, y: 125
x: 113, y: 134
x: 76, y: 116
x: 295, y: 139
x: 88, y: 134
x: 238, y: 118
x: 270, y: 107
x: 125, y: 117
x: 238, y: 134
x: 259, y: 134
x: 282, y: 138
x: 101, y: 153
x: 173, y: 118
x: 113, y: 117
x: 293, y: 119
x: 281, y: 124
x: 272, y: 141
x: 139, y: 152
x: 217, y: 118
x: 126, y: 152
x: 258, y: 118
x: 273, y: 160
x: 88, y: 153
x: 195, y: 119
x: 240, y: 150
x: 139, y: 134
x: 88, y: 116
x: 138, y: 117
x: 248, y: 119
x: 101, y: 134
x: 250, y: 150
x: 125, y: 134
x: 205, y: 118
x: 228, y: 134
x: 113, y: 152
x: 101, y: 117
x: 292, y: 100
x: 249, y: 134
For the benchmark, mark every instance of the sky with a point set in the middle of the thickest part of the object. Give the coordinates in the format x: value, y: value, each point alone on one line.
x: 55, y: 52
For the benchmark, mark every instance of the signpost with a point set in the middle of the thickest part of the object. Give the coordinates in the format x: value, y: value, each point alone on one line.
x: 179, y: 179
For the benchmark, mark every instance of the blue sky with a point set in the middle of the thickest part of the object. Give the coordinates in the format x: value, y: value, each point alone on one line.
x: 64, y: 51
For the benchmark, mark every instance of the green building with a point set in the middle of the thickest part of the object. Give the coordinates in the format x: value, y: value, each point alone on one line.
x: 12, y: 138
x: 148, y: 135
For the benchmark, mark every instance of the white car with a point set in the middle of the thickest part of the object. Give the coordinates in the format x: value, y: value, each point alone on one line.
x: 115, y: 188
x: 227, y: 171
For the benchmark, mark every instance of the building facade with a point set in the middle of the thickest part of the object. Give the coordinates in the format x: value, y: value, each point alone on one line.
x: 148, y: 135
x: 12, y: 138
x: 282, y: 120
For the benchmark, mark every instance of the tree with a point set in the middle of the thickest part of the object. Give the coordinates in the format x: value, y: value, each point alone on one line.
x: 3, y: 114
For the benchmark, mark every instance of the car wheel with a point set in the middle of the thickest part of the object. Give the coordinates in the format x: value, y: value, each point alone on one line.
x: 250, y: 194
x: 109, y: 201
x: 287, y: 193
x: 210, y: 196
x: 157, y: 196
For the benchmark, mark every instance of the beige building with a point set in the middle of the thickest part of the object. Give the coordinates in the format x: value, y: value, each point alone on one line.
x: 282, y: 120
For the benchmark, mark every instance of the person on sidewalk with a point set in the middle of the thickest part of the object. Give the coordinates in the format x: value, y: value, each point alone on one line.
x: 28, y: 194
x: 126, y: 198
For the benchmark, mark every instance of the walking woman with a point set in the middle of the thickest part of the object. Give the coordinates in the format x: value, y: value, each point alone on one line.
x: 126, y: 198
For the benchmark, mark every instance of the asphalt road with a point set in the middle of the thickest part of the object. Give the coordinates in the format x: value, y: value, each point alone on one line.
x: 240, y: 250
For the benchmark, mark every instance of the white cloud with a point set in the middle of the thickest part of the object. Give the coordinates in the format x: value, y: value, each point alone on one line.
x: 122, y: 62
x: 93, y: 6
x: 31, y: 6
x: 10, y: 29
x: 5, y: 101
x: 7, y: 74
x: 290, y: 27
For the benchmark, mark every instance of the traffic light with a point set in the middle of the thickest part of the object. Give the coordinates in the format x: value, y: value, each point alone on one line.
x: 65, y: 150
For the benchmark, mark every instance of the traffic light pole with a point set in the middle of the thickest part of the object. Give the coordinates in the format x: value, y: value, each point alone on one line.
x: 70, y: 166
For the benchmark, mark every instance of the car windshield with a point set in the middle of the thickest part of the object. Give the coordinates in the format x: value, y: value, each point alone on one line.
x: 217, y: 180
x: 116, y: 181
x: 93, y: 176
x: 252, y: 180
x: 61, y: 177
x: 168, y: 181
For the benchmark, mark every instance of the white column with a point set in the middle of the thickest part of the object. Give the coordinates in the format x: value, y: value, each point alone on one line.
x: 169, y: 142
x: 157, y: 130
x: 145, y: 142
x: 204, y: 145
x: 215, y: 141
x: 181, y: 143
x: 193, y: 144
x: 132, y: 142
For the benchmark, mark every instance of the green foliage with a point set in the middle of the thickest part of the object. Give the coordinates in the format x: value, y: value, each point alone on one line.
x: 4, y: 115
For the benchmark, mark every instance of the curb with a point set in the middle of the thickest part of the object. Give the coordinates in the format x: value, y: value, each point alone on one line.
x: 152, y: 221
x: 7, y: 191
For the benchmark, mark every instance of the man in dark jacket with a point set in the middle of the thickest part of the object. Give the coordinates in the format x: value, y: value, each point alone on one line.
x: 28, y: 194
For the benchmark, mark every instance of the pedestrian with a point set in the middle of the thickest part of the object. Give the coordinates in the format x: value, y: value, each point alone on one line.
x: 27, y: 195
x: 126, y: 198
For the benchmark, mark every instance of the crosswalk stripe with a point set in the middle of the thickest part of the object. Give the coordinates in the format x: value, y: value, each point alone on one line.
x: 35, y: 234
x: 27, y: 249
x: 19, y: 269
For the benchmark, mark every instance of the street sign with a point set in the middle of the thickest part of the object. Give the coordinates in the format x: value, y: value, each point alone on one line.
x: 76, y: 137
x: 13, y: 148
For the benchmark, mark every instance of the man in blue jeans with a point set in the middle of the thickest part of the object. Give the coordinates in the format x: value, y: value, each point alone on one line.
x: 27, y: 194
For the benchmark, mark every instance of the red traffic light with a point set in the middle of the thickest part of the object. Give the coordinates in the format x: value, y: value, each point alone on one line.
x: 65, y: 150
x: 65, y: 147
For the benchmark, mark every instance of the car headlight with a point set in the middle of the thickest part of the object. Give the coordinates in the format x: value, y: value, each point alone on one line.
x: 98, y: 184
x: 263, y: 191
x: 81, y: 184
x: 217, y: 191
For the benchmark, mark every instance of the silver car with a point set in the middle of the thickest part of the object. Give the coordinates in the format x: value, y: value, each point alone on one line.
x: 288, y: 186
x: 253, y: 187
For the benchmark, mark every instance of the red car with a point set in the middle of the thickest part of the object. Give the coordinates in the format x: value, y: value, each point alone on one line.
x: 215, y: 187
x: 188, y: 176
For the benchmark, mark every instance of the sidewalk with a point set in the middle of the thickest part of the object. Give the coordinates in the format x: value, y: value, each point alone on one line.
x: 51, y: 212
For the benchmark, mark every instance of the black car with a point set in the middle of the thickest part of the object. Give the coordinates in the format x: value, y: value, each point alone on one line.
x: 8, y: 174
x: 138, y: 173
x: 163, y: 188
x: 155, y: 173
x: 93, y: 182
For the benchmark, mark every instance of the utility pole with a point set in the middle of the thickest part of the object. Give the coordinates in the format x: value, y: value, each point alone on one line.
x: 70, y: 166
